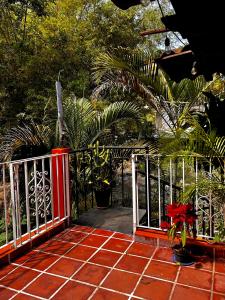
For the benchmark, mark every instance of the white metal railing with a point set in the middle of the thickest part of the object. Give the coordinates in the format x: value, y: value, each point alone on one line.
x: 34, y: 196
x: 158, y: 181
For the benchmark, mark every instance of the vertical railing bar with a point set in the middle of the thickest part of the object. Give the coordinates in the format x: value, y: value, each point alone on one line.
x: 5, y: 204
x: 64, y: 183
x: 76, y: 189
x: 196, y: 193
x: 35, y: 195
x: 27, y: 198
x: 111, y: 177
x: 159, y: 191
x: 183, y: 177
x: 51, y: 190
x: 18, y: 205
x: 171, y: 182
x: 163, y: 199
x: 150, y: 191
x: 122, y: 174
x: 210, y: 198
x: 16, y: 202
x: 57, y: 177
x: 92, y: 190
x: 44, y: 196
x: 13, y: 203
x: 137, y: 196
x: 147, y: 188
x: 84, y: 179
x: 134, y: 193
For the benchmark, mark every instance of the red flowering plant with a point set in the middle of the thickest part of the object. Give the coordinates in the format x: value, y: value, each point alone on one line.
x: 182, y: 223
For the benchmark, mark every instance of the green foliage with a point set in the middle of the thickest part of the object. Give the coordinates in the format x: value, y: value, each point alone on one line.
x: 25, y: 141
x: 84, y: 125
x: 98, y: 167
x: 178, y: 107
x: 220, y: 235
x: 172, y: 233
x: 38, y: 38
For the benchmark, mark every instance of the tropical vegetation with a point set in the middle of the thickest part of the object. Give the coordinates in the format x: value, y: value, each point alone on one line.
x: 113, y: 91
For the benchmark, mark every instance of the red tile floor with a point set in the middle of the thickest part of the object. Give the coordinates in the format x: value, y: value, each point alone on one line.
x: 87, y: 263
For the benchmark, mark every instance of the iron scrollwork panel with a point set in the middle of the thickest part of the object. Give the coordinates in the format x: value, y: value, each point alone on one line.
x: 39, y: 188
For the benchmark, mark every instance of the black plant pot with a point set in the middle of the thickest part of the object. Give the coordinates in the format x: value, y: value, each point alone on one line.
x: 182, y: 256
x: 102, y: 198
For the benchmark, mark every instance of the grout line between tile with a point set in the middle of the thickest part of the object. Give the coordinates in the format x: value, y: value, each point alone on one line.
x: 94, y: 264
x: 213, y: 274
x: 189, y: 267
x: 31, y: 295
x: 220, y: 273
x: 45, y: 271
x: 85, y: 262
x: 8, y: 288
x: 112, y: 268
x: 130, y: 237
x: 92, y: 247
x: 41, y: 272
x: 174, y: 284
x: 18, y: 292
x: 125, y: 271
x: 110, y: 290
x: 193, y: 287
x: 142, y: 274
x: 10, y: 271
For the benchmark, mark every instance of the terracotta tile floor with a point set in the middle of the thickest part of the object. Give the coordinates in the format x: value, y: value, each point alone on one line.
x: 84, y: 263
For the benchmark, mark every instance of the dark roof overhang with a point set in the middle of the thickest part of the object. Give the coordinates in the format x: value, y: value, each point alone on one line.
x: 203, y: 26
x: 125, y: 4
x: 178, y: 64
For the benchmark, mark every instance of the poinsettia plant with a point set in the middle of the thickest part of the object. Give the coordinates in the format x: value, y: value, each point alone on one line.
x: 182, y: 222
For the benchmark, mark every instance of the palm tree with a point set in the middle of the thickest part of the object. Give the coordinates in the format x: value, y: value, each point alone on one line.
x: 84, y: 125
x: 176, y: 105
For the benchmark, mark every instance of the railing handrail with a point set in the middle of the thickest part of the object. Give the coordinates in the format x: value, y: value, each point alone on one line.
x: 111, y: 147
x: 175, y: 156
x: 17, y: 161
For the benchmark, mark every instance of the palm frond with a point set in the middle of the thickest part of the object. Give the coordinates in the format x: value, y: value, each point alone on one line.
x: 84, y: 124
x: 32, y: 136
x: 112, y: 114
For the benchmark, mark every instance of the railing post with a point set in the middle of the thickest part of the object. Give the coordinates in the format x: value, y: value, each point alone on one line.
x: 147, y: 187
x: 134, y: 193
x: 60, y: 183
x: 12, y: 188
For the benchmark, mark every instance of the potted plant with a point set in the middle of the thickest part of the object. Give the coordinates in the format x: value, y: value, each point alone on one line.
x: 99, y: 174
x: 183, y: 218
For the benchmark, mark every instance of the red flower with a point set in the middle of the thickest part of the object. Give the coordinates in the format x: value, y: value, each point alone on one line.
x: 179, y: 219
x: 177, y: 209
x: 165, y: 225
x: 183, y: 218
x: 190, y: 219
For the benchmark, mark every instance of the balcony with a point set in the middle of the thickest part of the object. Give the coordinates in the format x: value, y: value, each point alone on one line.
x: 44, y: 256
x: 86, y: 263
